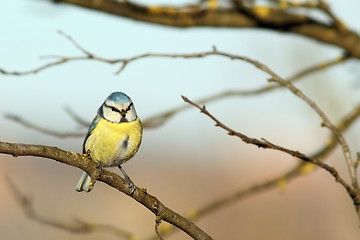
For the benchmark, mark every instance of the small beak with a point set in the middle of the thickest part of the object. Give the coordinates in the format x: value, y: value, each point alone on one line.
x: 123, y: 119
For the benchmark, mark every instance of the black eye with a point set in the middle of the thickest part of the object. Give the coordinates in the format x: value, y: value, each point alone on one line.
x: 114, y: 109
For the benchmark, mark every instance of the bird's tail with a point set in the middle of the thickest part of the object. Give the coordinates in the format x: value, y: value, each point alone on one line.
x: 84, y: 183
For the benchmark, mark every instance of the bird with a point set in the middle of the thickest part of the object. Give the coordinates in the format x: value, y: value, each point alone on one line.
x: 114, y: 137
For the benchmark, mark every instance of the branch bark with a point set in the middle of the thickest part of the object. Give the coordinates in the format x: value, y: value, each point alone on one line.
x: 83, y: 162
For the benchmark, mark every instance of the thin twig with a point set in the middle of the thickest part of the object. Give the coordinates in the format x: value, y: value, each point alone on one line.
x: 77, y: 45
x: 125, y: 61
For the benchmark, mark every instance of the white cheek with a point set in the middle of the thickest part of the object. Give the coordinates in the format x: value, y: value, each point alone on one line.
x: 131, y: 115
x: 111, y: 115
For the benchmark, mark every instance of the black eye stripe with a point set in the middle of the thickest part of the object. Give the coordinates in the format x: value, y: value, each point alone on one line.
x: 128, y: 108
x: 114, y: 109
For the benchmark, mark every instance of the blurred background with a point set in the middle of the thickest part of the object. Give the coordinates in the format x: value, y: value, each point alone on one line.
x: 187, y: 163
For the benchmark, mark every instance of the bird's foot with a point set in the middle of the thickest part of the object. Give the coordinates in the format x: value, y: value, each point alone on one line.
x: 131, y: 184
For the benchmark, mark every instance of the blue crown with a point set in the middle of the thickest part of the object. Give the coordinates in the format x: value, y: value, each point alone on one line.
x: 118, y: 97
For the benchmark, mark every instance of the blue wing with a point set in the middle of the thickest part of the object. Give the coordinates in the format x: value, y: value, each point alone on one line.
x: 91, y: 128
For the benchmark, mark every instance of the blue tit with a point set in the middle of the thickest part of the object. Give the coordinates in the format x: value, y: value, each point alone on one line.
x: 114, y: 136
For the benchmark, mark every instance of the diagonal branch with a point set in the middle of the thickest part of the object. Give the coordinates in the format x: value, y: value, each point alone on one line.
x: 291, y: 174
x: 81, y: 161
x: 77, y: 45
x: 297, y: 171
x: 262, y: 143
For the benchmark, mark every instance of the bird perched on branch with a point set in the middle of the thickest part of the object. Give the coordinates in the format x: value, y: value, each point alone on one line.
x: 114, y: 136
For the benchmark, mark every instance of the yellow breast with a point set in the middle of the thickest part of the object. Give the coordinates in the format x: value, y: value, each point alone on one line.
x: 111, y: 144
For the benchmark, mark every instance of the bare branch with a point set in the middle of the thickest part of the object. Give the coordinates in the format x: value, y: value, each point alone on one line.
x: 75, y: 226
x: 262, y: 143
x: 83, y: 162
x: 267, y: 185
x: 330, y: 144
x: 125, y: 61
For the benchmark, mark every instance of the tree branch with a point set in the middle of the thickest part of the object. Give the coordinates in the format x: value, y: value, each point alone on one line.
x: 299, y: 170
x: 276, y: 19
x: 83, y: 162
x: 262, y: 143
